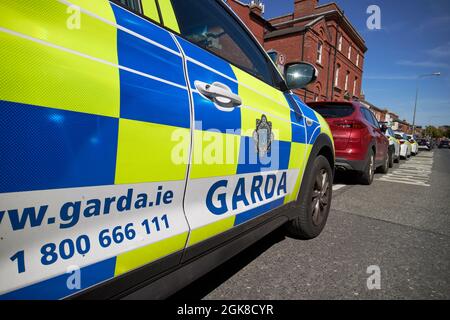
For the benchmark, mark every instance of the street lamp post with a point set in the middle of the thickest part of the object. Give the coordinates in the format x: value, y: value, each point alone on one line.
x: 437, y: 74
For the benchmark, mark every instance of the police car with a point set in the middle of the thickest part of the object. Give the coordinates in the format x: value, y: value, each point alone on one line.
x: 144, y: 143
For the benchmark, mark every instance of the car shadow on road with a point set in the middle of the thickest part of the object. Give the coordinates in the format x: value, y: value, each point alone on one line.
x: 349, y: 178
x: 212, y: 280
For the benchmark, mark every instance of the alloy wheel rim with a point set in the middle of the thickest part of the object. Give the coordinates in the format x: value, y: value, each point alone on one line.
x: 371, y: 171
x: 320, y: 197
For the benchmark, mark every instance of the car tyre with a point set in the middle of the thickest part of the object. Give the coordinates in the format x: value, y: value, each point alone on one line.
x: 368, y: 174
x: 384, y: 169
x: 314, y: 202
x: 391, y: 159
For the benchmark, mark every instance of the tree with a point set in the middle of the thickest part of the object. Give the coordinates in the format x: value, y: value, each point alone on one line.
x: 432, y: 131
x: 447, y: 133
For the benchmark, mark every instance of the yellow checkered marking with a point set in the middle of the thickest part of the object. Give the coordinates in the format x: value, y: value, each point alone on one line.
x: 149, y: 152
x: 215, y: 154
x: 139, y: 257
x: 211, y: 230
x: 296, y: 161
x: 49, y: 76
x: 266, y: 100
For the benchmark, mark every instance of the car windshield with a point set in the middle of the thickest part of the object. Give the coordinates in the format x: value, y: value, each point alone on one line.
x: 334, y: 110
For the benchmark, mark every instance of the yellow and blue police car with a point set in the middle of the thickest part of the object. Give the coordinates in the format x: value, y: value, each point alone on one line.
x: 144, y: 143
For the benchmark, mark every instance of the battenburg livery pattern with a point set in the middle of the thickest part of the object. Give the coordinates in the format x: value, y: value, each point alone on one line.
x: 89, y: 189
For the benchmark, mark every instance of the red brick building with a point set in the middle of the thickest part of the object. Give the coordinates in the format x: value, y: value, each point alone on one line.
x: 319, y: 34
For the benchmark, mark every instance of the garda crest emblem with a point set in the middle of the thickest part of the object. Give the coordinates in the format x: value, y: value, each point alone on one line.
x: 263, y: 136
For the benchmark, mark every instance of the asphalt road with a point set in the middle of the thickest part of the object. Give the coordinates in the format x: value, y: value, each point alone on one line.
x: 401, y: 224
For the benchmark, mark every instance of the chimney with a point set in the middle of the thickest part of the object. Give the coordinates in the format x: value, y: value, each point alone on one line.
x: 257, y: 7
x: 303, y: 8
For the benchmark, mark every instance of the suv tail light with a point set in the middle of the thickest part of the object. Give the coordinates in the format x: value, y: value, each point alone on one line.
x: 350, y: 124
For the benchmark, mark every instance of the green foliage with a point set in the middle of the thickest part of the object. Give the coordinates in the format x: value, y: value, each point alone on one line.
x: 431, y: 131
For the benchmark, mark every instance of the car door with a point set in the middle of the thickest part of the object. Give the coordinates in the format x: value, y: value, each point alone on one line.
x: 375, y: 133
x: 248, y: 156
x: 382, y: 141
x: 89, y: 186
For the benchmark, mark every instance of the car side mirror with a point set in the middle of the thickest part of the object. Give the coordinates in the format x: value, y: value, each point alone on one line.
x: 383, y: 128
x: 299, y: 75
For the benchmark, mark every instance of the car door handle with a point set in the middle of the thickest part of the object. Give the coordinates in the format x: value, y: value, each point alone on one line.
x: 219, y: 93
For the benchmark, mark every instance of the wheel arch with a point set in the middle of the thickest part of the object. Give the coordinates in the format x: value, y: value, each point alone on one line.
x: 323, y: 146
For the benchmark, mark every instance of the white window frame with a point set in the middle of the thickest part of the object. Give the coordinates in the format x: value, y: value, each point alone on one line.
x: 319, y: 52
x: 340, y: 43
x: 336, y: 78
x: 357, y: 60
x: 349, y: 52
x: 346, y: 81
x: 355, y: 82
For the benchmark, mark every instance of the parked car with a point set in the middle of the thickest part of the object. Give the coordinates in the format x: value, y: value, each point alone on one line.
x: 414, y: 144
x: 425, y: 144
x: 99, y: 203
x: 394, y: 147
x: 444, y: 144
x: 359, y: 141
x: 405, y: 145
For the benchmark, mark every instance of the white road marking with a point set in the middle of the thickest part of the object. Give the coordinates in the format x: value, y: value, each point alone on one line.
x: 416, y: 171
x: 338, y: 187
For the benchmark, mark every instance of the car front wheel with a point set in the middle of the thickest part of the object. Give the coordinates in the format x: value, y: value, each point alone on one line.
x: 315, y: 202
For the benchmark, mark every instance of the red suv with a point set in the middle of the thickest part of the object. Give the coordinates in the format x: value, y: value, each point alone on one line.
x: 359, y: 139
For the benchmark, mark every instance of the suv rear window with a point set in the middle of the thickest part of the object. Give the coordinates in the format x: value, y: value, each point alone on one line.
x: 334, y: 110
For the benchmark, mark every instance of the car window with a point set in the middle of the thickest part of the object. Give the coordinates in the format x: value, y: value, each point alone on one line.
x: 374, y: 119
x: 208, y: 25
x: 134, y: 5
x: 368, y: 115
x: 334, y: 110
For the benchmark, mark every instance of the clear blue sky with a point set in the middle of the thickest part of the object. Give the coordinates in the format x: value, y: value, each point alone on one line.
x: 414, y: 39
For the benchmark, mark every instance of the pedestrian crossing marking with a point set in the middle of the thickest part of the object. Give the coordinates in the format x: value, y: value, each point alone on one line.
x: 416, y: 171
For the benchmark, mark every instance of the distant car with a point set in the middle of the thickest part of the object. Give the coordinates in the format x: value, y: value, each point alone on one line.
x: 405, y: 145
x: 425, y: 144
x: 414, y: 145
x: 359, y: 141
x: 394, y: 147
x: 444, y: 144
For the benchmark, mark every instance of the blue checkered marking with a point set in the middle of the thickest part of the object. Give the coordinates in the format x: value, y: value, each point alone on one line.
x: 250, y: 161
x: 44, y: 148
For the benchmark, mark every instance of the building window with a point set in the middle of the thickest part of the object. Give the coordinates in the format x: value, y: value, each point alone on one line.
x: 349, y: 53
x: 336, y: 79
x: 357, y: 60
x: 340, y: 43
x: 319, y: 52
x: 354, y: 86
x: 346, y: 80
